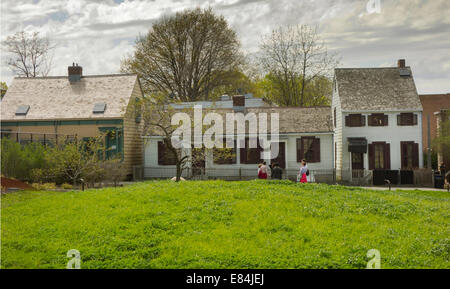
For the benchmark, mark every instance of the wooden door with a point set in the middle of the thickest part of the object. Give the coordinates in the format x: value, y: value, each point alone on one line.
x: 281, y: 158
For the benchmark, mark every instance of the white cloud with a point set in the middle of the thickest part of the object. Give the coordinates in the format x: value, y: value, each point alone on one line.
x: 98, y: 34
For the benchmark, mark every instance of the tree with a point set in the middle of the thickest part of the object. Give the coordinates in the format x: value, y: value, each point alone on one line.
x: 77, y: 160
x: 29, y: 54
x: 186, y: 56
x: 441, y: 144
x: 3, y: 88
x: 157, y: 116
x: 114, y: 170
x: 293, y: 58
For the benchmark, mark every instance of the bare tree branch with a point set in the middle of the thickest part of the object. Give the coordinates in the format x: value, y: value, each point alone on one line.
x: 29, y: 54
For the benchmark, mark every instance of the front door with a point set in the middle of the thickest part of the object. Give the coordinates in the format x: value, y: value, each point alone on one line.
x: 281, y: 158
x: 357, y: 165
x: 357, y: 161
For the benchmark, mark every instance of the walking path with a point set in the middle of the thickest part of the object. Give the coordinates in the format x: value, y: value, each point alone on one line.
x: 405, y: 189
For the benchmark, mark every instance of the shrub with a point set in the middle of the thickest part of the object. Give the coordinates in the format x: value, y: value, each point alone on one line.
x: 18, y: 160
x: 66, y: 186
x: 44, y: 187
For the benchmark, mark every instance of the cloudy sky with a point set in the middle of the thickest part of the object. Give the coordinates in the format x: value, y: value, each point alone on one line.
x: 99, y: 33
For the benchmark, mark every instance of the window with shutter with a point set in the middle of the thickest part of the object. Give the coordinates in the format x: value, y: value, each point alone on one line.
x: 308, y: 148
x: 407, y: 119
x: 251, y: 155
x: 410, y: 155
x: 378, y: 119
x: 355, y: 120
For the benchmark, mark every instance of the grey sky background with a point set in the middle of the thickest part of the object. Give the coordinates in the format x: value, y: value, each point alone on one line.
x: 97, y: 34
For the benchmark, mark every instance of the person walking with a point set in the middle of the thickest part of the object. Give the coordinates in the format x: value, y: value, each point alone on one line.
x: 304, y: 172
x: 277, y: 172
x: 262, y: 171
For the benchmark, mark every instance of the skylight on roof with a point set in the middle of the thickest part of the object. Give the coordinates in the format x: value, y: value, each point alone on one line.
x: 22, y: 110
x: 99, y: 107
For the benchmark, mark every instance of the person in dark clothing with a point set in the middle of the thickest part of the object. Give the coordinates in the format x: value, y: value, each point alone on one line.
x: 442, y: 169
x: 277, y: 172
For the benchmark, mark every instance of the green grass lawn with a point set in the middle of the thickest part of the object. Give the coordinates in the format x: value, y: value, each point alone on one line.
x: 219, y: 224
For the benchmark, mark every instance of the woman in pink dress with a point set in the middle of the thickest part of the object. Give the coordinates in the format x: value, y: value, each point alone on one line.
x: 303, y: 172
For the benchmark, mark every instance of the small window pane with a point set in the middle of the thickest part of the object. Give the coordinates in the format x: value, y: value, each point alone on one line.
x: 99, y: 107
x: 22, y: 110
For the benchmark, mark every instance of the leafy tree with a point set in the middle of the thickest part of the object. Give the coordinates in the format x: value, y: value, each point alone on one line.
x: 3, y: 88
x: 187, y: 56
x: 441, y: 144
x: 77, y: 160
x: 29, y: 54
x: 318, y: 92
x: 294, y: 58
x: 19, y: 160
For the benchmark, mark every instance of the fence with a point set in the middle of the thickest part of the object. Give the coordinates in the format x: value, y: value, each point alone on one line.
x: 43, y: 138
x: 422, y: 177
x: 228, y: 174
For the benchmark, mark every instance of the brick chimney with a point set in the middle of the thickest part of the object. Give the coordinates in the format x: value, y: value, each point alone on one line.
x: 75, y: 72
x: 401, y: 63
x: 239, y: 102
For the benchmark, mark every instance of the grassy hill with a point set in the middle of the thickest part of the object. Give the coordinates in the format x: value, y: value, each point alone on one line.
x: 219, y: 224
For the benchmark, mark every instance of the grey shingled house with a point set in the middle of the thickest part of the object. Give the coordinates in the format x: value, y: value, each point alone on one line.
x: 38, y: 109
x: 377, y: 119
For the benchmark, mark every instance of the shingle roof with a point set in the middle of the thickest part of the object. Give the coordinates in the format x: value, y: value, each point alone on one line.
x: 291, y: 119
x: 373, y: 89
x: 249, y: 102
x: 53, y: 98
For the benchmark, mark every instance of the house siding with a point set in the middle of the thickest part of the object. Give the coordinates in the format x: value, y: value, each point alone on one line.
x: 133, y: 143
x: 246, y: 170
x: 336, y: 104
x: 392, y: 134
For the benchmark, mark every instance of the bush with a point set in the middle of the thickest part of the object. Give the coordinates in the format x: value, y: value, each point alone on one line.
x: 18, y: 160
x: 66, y: 186
x: 44, y: 187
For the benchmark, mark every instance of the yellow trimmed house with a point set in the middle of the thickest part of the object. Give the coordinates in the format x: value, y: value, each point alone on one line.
x: 43, y: 108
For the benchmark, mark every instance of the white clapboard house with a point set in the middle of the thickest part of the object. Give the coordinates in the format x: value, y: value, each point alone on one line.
x: 377, y: 120
x: 305, y: 133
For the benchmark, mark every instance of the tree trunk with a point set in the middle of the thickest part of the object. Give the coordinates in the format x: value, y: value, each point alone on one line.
x: 178, y: 172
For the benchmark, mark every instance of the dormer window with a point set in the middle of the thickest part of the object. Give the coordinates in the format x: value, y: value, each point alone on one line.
x: 22, y: 110
x: 99, y: 108
x: 407, y: 119
x: 378, y: 119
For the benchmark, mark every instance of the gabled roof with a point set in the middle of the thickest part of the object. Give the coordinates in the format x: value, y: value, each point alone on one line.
x: 377, y: 89
x: 292, y: 120
x: 55, y: 98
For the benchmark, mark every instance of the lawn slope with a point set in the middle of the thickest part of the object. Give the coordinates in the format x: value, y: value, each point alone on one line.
x: 219, y: 224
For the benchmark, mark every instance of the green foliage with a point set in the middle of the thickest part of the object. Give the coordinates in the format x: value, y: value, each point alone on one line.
x: 318, y: 92
x: 218, y: 224
x: 3, y: 88
x: 44, y: 186
x: 19, y: 160
x: 66, y: 186
x: 186, y: 55
x: 69, y: 162
x: 441, y: 144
